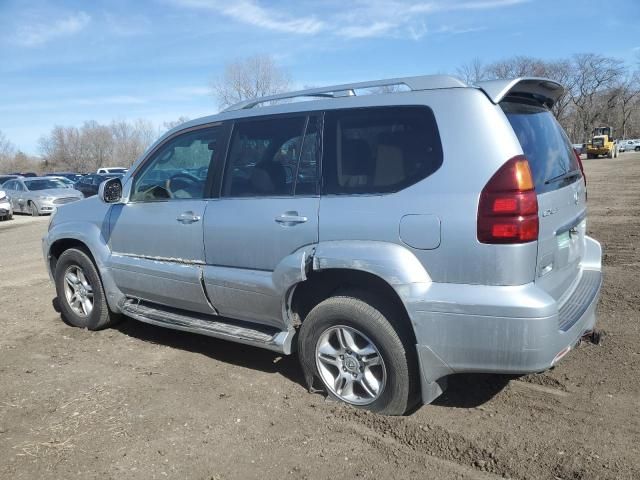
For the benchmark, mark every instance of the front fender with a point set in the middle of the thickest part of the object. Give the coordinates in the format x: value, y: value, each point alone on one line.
x: 94, y: 237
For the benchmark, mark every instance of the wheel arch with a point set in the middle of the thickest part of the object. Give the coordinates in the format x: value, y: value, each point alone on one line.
x: 316, y: 271
x: 325, y: 283
x: 89, y: 239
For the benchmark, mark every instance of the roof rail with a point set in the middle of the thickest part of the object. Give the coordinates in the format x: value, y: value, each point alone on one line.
x: 424, y: 82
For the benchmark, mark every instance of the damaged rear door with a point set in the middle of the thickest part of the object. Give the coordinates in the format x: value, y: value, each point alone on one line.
x: 267, y: 211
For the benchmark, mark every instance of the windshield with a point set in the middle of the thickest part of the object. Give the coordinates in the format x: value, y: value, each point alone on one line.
x: 66, y: 181
x: 543, y: 142
x: 44, y: 184
x: 116, y: 170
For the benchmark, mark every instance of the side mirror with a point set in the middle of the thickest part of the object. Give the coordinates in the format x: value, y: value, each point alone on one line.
x: 110, y: 191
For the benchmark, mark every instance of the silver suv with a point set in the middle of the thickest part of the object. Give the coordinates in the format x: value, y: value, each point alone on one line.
x: 392, y: 238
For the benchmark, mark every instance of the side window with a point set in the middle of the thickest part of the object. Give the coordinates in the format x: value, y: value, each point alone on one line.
x: 263, y: 157
x: 10, y: 185
x: 307, y: 177
x: 379, y: 150
x: 179, y: 169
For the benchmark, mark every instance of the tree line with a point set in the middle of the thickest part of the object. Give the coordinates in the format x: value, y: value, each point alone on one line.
x: 86, y: 148
x: 599, y: 90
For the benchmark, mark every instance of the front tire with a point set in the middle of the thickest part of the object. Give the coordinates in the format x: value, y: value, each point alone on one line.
x: 352, y: 347
x: 80, y: 293
x: 33, y: 209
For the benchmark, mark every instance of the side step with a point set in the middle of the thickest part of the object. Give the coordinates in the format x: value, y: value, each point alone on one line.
x: 247, y: 333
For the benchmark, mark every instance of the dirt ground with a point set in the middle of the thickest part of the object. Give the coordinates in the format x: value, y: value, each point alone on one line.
x: 144, y: 402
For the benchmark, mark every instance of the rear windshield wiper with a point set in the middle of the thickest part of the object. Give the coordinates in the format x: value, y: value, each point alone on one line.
x: 564, y: 176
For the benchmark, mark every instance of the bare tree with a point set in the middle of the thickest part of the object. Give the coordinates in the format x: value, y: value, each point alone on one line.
x: 594, y: 80
x: 99, y: 144
x: 174, y: 123
x: 473, y: 72
x: 7, y: 151
x: 629, y: 100
x: 95, y: 145
x: 249, y: 78
x: 131, y: 140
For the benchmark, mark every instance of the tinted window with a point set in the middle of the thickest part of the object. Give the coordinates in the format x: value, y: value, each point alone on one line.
x: 379, y: 150
x: 543, y: 142
x: 179, y: 168
x: 263, y: 157
x: 10, y: 185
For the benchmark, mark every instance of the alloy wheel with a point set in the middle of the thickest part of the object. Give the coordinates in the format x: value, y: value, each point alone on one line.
x: 350, y: 365
x: 78, y: 291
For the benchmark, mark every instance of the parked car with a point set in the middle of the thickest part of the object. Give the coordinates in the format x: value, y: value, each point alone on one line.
x: 68, y: 183
x: 112, y: 170
x: 74, y: 177
x: 89, y: 184
x: 629, y: 145
x: 579, y: 148
x: 6, y: 211
x: 25, y: 174
x: 4, y: 178
x: 39, y: 195
x: 388, y: 266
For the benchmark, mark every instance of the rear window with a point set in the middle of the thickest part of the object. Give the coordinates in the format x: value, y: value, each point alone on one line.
x: 544, y: 143
x: 379, y: 150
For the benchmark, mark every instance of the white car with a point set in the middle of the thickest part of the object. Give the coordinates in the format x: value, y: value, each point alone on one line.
x: 629, y: 146
x: 6, y: 212
x: 112, y: 170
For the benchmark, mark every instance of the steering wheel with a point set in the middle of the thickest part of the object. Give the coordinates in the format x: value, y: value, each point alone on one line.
x: 181, y: 181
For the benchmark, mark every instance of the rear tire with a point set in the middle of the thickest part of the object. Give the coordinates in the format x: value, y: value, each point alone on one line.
x: 80, y: 293
x: 350, y: 345
x: 590, y: 156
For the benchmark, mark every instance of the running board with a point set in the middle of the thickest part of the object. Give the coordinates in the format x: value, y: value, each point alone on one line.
x: 213, y: 326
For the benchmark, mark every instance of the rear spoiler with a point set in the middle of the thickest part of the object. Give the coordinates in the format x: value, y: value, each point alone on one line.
x: 545, y: 90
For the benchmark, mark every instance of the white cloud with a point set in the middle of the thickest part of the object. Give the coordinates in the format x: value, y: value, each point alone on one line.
x: 252, y: 13
x: 42, y: 32
x: 375, y: 29
x: 362, y: 18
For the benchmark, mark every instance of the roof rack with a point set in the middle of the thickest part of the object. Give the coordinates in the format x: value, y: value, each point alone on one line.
x: 424, y: 82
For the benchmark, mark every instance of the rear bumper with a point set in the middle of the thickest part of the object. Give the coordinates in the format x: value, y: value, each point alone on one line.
x: 497, y: 329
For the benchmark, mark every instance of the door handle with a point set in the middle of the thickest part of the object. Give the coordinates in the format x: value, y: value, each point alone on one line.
x: 188, y: 217
x: 290, y: 219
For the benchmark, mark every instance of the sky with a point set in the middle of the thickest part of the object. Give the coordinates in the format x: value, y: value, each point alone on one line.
x: 63, y: 62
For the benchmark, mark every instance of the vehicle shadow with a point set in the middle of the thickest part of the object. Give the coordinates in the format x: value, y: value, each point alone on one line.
x: 470, y: 390
x: 463, y: 391
x: 224, y: 351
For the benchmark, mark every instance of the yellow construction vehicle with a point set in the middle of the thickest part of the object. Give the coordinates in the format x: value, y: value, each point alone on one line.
x: 602, y: 143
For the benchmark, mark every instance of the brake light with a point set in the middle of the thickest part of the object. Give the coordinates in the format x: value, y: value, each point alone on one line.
x: 508, y: 208
x: 581, y: 167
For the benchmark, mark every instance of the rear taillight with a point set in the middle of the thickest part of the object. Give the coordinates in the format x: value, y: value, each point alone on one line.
x: 508, y: 208
x: 584, y: 177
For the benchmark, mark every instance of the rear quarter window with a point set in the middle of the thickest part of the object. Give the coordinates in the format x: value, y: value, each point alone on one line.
x: 379, y: 150
x: 544, y: 143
